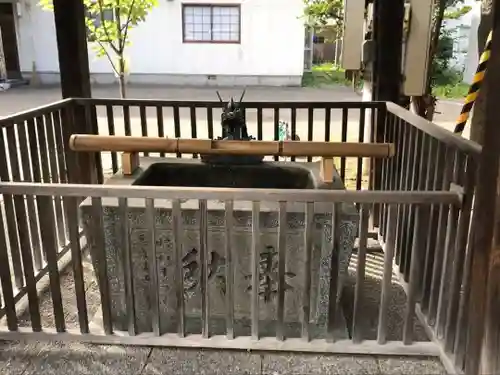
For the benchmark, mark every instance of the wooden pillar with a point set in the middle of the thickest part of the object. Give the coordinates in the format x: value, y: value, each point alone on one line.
x: 483, y: 336
x: 386, y: 77
x: 388, y: 16
x: 69, y: 19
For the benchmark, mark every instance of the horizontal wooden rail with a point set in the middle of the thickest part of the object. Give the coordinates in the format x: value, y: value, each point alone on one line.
x: 238, y: 194
x: 98, y: 143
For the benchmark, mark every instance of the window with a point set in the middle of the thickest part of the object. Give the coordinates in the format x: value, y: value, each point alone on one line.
x: 211, y: 23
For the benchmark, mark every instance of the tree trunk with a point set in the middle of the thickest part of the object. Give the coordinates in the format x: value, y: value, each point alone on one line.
x: 122, y: 83
x: 121, y: 77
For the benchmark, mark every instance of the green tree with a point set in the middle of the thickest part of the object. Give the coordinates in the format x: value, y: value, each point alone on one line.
x: 109, y: 23
x: 322, y: 13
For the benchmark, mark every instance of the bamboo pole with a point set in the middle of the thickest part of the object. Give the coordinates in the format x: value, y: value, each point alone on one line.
x: 98, y: 143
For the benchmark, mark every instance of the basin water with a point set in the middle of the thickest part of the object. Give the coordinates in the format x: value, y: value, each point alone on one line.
x: 192, y: 172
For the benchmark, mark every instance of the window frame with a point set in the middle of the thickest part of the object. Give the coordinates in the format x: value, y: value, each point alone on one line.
x: 211, y: 6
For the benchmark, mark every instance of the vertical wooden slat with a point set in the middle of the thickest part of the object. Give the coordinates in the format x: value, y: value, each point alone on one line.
x: 459, y: 256
x: 387, y: 278
x: 10, y: 213
x: 30, y: 200
x: 96, y: 173
x: 310, y: 127
x: 394, y: 162
x: 440, y: 247
x: 44, y: 163
x: 126, y: 119
x: 384, y: 175
x: 127, y: 265
x: 228, y: 234
x: 50, y: 248
x: 194, y: 126
x: 204, y: 261
x: 71, y: 206
x: 68, y: 158
x: 210, y: 122
x: 159, y: 122
x: 459, y: 348
x: 260, y: 133
x: 177, y: 125
x: 293, y: 125
x: 343, y: 138
x: 111, y: 130
x: 418, y: 183
x: 448, y: 258
x: 411, y: 182
x: 54, y: 178
x: 99, y: 244
x: 406, y: 135
x: 451, y: 234
x: 360, y: 275
x: 144, y: 123
x: 361, y: 137
x: 402, y: 144
x: 60, y: 146
x: 282, y: 229
x: 334, y: 274
x: 434, y: 184
x: 20, y: 210
x: 154, y: 285
x: 276, y: 119
x: 328, y: 123
x: 421, y: 217
x: 255, y: 269
x: 179, y: 277
x: 308, y: 247
x: 61, y: 163
x: 6, y: 279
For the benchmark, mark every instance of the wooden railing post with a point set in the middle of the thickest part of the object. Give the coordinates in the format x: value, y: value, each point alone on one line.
x: 81, y: 167
x: 484, y: 327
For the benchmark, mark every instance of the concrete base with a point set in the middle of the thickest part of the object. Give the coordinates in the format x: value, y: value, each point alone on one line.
x: 181, y: 79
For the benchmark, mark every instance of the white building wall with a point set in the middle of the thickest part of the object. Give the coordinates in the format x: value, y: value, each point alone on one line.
x: 465, y: 48
x: 472, y: 56
x: 271, y: 49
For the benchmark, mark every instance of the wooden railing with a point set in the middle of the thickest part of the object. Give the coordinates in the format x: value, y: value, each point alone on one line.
x: 427, y: 158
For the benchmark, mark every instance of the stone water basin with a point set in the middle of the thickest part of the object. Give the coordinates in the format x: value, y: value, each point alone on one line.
x: 191, y: 172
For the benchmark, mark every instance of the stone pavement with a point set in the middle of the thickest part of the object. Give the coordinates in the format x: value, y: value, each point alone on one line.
x: 24, y: 98
x: 61, y: 359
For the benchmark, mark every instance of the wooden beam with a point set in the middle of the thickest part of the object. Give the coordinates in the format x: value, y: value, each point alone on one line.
x: 484, y: 307
x: 99, y: 143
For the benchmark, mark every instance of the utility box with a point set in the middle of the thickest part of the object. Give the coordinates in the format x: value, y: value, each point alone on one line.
x: 416, y: 58
x: 354, y: 15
